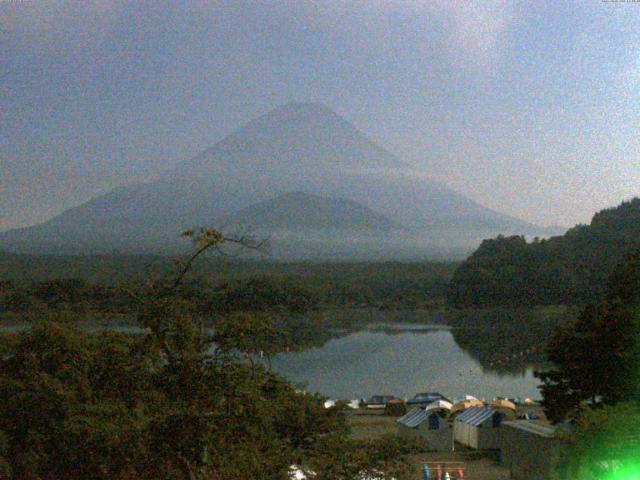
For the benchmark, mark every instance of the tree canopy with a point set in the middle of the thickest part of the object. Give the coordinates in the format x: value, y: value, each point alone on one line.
x: 179, y: 401
x: 598, y: 358
x: 573, y: 268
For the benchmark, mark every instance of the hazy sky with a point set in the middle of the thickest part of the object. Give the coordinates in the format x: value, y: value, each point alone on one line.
x: 531, y: 108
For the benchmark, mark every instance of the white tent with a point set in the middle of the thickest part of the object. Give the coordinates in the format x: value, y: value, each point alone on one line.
x: 503, y: 403
x: 439, y: 405
x: 466, y: 404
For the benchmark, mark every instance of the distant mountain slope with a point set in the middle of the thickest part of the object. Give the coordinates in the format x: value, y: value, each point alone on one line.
x: 299, y: 210
x: 299, y: 147
x: 573, y: 268
x: 301, y: 135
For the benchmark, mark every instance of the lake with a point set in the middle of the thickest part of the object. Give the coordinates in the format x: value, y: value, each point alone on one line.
x: 360, y: 353
x: 399, y: 359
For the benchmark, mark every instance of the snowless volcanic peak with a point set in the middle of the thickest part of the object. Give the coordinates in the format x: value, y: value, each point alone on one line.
x: 342, y: 179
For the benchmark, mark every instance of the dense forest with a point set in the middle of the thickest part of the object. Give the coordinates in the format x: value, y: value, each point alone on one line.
x: 87, y: 281
x: 569, y: 269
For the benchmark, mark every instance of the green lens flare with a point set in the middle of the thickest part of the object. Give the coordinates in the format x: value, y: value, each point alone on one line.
x: 626, y: 470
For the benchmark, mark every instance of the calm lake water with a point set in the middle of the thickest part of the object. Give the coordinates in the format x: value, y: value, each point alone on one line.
x: 389, y: 353
x: 399, y: 359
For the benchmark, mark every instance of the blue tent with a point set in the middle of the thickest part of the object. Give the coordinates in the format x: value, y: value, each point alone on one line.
x: 426, y: 398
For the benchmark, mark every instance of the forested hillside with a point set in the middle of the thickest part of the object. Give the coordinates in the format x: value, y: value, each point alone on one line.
x: 573, y: 268
x: 87, y: 279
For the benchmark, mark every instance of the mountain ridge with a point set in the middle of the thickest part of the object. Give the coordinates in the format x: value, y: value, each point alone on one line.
x: 302, y: 210
x: 298, y: 147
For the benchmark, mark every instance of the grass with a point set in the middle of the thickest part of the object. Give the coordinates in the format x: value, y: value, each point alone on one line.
x: 370, y: 425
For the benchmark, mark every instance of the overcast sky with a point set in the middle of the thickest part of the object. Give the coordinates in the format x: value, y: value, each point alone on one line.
x: 531, y: 108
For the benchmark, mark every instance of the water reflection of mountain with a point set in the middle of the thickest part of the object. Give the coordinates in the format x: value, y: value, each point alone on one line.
x: 507, y: 341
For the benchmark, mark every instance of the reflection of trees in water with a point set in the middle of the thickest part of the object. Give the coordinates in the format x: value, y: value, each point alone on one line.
x: 506, y: 341
x: 316, y: 328
x: 390, y: 330
x: 503, y: 341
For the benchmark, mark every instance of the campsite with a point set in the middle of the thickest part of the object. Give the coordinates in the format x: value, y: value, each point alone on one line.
x: 502, y: 453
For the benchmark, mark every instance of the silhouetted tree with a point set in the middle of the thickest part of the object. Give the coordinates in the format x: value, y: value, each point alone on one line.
x: 598, y: 357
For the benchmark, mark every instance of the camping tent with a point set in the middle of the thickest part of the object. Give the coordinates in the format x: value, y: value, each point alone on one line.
x: 425, y: 398
x: 504, y: 406
x: 503, y: 403
x: 439, y: 405
x: 379, y: 401
x: 466, y: 404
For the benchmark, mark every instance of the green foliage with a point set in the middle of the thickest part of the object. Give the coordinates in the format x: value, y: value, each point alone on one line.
x: 598, y: 357
x: 574, y: 268
x: 177, y: 402
x: 262, y: 293
x: 80, y: 405
x: 382, y: 458
x: 18, y: 302
x: 624, y: 285
x: 395, y: 409
x: 389, y: 284
x: 62, y: 403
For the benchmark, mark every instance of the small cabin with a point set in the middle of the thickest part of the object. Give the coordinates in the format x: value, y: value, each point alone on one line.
x: 428, y: 425
x: 528, y: 449
x: 478, y: 428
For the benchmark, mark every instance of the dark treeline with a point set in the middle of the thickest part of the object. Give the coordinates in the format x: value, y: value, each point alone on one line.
x: 102, y: 282
x: 569, y: 269
x: 593, y: 382
x: 596, y: 357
